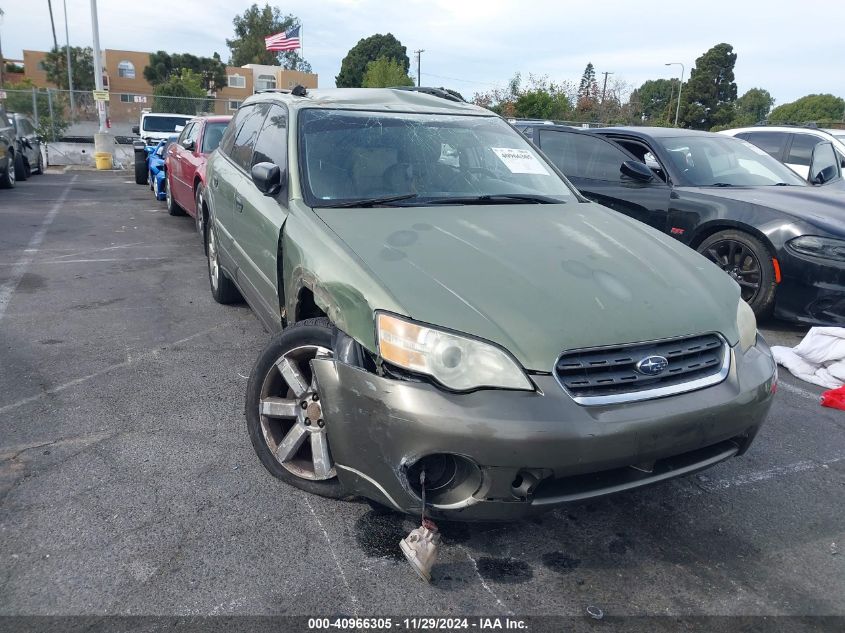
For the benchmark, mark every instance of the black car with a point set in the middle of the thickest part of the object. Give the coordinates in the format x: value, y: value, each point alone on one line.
x: 782, y: 240
x: 27, y: 146
x: 7, y: 151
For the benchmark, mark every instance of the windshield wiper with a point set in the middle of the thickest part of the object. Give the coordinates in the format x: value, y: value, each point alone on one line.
x: 496, y: 198
x: 721, y: 184
x: 371, y: 202
x: 784, y: 184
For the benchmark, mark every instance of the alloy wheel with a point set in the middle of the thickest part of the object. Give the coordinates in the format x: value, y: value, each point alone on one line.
x: 740, y: 262
x: 213, y: 266
x: 291, y: 415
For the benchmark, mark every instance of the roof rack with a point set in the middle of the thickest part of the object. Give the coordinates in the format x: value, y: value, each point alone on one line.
x: 443, y: 93
x: 297, y: 91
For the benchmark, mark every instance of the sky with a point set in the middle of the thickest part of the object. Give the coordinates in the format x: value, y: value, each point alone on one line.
x: 475, y: 45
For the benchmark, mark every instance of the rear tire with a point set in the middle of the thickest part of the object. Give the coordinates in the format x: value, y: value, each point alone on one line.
x: 747, y: 260
x: 222, y: 288
x: 287, y: 442
x: 140, y: 168
x: 39, y: 166
x: 172, y: 207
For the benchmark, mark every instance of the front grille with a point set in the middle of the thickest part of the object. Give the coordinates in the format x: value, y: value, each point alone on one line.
x: 607, y: 375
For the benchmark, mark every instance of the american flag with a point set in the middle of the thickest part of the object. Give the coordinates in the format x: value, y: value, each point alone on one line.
x: 284, y: 41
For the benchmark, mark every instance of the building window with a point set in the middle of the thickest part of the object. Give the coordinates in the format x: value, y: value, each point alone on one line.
x: 265, y: 82
x: 126, y: 69
x: 125, y: 98
x: 234, y: 105
x: 237, y: 81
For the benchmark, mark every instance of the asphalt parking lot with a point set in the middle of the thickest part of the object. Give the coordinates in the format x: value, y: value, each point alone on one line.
x: 128, y: 484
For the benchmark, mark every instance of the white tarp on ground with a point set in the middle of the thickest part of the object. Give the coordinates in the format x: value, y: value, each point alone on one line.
x: 819, y: 358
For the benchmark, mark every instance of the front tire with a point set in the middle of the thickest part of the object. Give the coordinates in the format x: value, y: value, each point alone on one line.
x: 39, y: 166
x: 284, y: 412
x: 140, y: 168
x: 747, y: 260
x: 20, y: 167
x: 7, y: 180
x: 222, y: 288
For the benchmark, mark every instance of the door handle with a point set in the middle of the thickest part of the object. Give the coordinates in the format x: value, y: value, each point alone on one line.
x: 214, y: 182
x: 239, y: 203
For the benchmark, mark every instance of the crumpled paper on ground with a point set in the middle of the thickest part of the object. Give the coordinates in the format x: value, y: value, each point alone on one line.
x: 819, y: 358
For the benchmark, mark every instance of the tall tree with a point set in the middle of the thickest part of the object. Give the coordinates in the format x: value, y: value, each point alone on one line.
x: 81, y: 64
x: 252, y: 27
x: 354, y: 65
x: 654, y: 99
x: 162, y: 66
x: 384, y: 72
x: 709, y: 95
x: 812, y: 108
x: 588, y: 91
x: 752, y: 107
x: 181, y: 94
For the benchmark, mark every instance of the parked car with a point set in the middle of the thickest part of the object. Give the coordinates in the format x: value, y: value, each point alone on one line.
x: 792, y: 145
x: 27, y: 146
x: 446, y: 304
x: 153, y: 128
x: 186, y: 160
x: 781, y: 240
x: 7, y: 151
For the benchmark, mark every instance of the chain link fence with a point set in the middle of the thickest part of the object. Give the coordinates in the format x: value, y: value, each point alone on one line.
x: 73, y: 114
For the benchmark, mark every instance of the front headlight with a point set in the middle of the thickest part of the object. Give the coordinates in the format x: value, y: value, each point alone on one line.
x: 457, y: 362
x: 826, y: 247
x: 746, y: 325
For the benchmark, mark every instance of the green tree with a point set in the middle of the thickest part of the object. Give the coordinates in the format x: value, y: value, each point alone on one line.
x: 752, y: 107
x: 252, y: 27
x: 384, y: 72
x: 162, y: 66
x: 588, y: 89
x: 812, y: 108
x: 181, y: 94
x: 709, y: 95
x: 538, y: 99
x: 354, y: 65
x: 81, y: 65
x: 654, y: 100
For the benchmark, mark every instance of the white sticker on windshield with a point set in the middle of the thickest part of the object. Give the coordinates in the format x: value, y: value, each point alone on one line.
x: 520, y: 161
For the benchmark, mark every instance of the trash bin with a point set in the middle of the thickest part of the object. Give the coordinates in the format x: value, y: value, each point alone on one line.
x: 103, y: 160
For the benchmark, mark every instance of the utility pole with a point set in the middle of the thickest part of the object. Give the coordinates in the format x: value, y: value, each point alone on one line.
x: 680, y: 87
x: 419, y: 53
x: 2, y: 60
x: 69, y: 72
x: 53, y: 24
x: 604, y: 87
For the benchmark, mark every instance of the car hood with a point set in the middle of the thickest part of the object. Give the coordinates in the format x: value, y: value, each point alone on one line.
x: 539, y: 279
x: 821, y: 206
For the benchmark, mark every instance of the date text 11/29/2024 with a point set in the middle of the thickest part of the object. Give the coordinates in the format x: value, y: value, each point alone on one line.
x: 418, y: 623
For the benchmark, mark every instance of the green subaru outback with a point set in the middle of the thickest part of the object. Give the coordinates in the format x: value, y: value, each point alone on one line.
x: 452, y: 314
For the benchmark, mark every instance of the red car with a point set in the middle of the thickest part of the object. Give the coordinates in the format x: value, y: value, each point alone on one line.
x: 185, y: 164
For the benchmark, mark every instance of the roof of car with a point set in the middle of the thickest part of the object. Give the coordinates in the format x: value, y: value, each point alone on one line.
x: 386, y: 99
x: 214, y: 118
x: 654, y: 132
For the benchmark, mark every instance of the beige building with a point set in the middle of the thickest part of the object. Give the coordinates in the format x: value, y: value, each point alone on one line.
x: 130, y: 93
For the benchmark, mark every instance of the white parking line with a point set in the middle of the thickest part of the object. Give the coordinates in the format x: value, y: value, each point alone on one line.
x: 20, y: 267
x: 799, y: 391
x: 763, y: 475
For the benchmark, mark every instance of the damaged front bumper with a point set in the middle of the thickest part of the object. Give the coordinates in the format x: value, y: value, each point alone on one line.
x: 501, y: 455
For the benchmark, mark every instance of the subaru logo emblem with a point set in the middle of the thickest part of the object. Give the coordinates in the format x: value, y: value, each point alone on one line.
x: 652, y: 365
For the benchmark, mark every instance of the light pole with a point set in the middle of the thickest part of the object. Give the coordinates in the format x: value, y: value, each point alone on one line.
x: 98, y: 66
x: 680, y: 87
x: 419, y: 60
x: 69, y: 72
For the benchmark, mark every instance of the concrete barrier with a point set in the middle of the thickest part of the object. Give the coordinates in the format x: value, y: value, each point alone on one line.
x: 63, y: 153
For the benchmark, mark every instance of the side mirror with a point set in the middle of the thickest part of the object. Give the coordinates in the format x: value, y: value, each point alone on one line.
x: 824, y: 164
x: 188, y: 144
x: 267, y: 177
x: 136, y: 129
x: 636, y: 170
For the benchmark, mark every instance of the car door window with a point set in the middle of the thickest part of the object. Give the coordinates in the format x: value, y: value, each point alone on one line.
x: 272, y: 143
x: 244, y: 143
x: 232, y: 129
x: 801, y: 150
x: 194, y: 133
x: 185, y: 132
x: 583, y: 156
x: 770, y: 142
